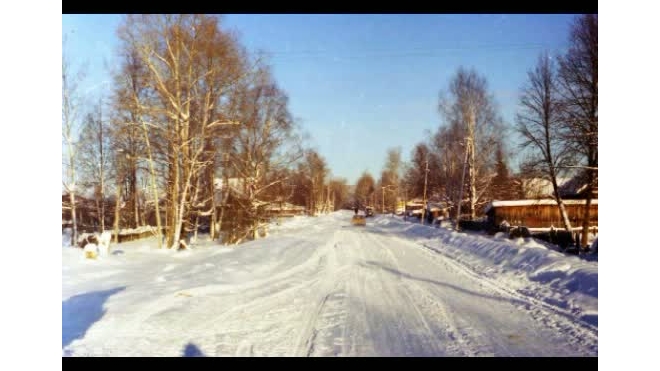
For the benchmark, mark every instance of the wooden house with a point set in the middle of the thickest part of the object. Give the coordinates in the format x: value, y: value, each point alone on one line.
x: 542, y: 213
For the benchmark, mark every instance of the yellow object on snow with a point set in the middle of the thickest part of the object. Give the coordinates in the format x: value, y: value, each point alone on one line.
x: 359, y: 220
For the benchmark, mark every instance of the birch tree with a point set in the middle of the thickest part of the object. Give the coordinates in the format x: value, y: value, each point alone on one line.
x: 95, y: 161
x: 131, y: 137
x: 190, y: 65
x: 390, y: 177
x: 470, y: 110
x: 265, y: 144
x: 539, y: 123
x: 71, y: 105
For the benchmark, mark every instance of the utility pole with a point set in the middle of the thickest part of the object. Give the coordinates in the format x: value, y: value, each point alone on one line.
x: 471, y: 164
x: 405, y: 203
x: 460, y: 194
x: 426, y: 175
x: 382, y: 203
x: 396, y: 200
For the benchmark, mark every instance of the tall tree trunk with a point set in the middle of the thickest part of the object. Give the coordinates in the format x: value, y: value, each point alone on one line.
x: 586, y: 222
x: 102, y: 170
x: 472, y: 190
x: 134, y: 194
x: 560, y: 203
x: 173, y: 205
x: 102, y: 206
x: 72, y: 197
x: 98, y: 214
x: 213, y: 213
x: 117, y: 204
x: 196, y: 226
x: 550, y: 159
x: 74, y: 237
x: 181, y: 211
x: 154, y: 188
x: 225, y: 197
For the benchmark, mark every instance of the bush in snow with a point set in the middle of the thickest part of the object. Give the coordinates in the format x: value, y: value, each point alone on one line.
x: 520, y: 232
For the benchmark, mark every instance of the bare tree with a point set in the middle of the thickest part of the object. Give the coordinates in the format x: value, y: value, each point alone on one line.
x: 539, y: 123
x: 364, y: 189
x: 315, y: 169
x: 390, y: 178
x: 190, y: 65
x: 422, y: 157
x: 264, y: 146
x: 469, y: 110
x: 95, y: 162
x: 131, y: 136
x: 339, y: 193
x: 578, y: 82
x: 71, y: 103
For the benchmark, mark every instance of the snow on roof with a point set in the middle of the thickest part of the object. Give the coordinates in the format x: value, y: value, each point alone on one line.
x: 285, y: 206
x: 141, y: 229
x: 539, y: 202
x: 536, y: 202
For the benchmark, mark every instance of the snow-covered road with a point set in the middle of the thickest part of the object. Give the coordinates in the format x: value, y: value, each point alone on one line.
x: 314, y: 287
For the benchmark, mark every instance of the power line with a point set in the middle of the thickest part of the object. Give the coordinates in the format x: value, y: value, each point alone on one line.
x: 411, y: 51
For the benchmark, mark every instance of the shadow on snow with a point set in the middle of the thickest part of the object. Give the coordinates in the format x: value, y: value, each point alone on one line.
x: 191, y: 350
x: 80, y: 312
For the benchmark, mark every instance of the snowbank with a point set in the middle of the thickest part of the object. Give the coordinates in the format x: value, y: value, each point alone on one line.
x: 564, y: 281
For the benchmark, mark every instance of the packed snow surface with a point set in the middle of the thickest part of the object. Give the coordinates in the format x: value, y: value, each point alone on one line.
x: 318, y: 286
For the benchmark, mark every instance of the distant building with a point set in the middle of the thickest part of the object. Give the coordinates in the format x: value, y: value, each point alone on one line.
x: 538, y: 188
x: 569, y: 187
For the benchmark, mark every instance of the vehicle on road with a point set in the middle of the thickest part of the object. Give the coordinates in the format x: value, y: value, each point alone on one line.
x: 359, y: 220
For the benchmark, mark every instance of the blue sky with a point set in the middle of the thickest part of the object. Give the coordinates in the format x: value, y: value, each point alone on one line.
x: 360, y: 84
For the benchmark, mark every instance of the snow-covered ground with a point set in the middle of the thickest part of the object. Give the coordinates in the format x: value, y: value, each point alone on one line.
x: 321, y: 287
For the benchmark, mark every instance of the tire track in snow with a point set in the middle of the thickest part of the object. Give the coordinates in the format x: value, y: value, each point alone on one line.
x: 462, y: 343
x: 315, y: 320
x: 579, y: 340
x: 384, y: 324
x: 581, y: 333
x: 316, y: 281
x: 145, y: 319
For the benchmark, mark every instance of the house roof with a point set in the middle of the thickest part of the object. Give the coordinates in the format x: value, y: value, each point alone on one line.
x: 285, y: 207
x: 535, y: 202
x: 541, y: 187
x: 577, y: 184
